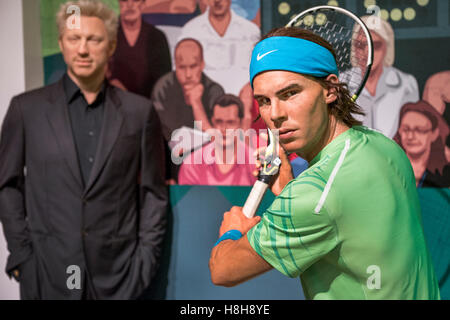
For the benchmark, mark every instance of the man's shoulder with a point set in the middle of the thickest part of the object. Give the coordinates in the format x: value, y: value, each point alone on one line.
x: 130, y: 100
x: 194, y: 167
x: 373, y: 156
x: 165, y: 84
x: 209, y: 83
x: 196, y: 22
x: 38, y: 93
x: 250, y: 26
x: 152, y: 31
x: 36, y: 98
x: 374, y: 140
x: 195, y: 158
x: 397, y: 78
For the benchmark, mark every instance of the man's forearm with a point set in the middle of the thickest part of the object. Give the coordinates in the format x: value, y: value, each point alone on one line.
x: 200, y: 115
x: 234, y: 261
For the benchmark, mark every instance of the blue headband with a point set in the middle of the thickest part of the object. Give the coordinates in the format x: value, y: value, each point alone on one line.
x: 292, y: 54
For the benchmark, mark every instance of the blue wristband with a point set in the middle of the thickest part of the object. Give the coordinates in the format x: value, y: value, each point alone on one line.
x: 231, y: 234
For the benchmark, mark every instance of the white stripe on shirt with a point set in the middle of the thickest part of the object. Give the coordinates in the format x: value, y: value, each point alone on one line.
x: 324, y: 195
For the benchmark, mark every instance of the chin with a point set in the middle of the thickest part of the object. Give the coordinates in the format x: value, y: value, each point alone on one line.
x: 291, y: 144
x: 84, y: 72
x: 415, y: 151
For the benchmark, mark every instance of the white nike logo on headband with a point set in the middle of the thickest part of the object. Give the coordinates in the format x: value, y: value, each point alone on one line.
x: 260, y: 56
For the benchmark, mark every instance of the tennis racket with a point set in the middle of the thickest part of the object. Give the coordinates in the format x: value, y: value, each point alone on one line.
x: 353, y: 47
x: 269, y: 167
x: 349, y: 37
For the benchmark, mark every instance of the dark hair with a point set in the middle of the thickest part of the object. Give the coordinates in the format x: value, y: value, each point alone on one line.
x: 227, y: 100
x: 343, y: 107
x: 437, y: 160
x: 189, y: 39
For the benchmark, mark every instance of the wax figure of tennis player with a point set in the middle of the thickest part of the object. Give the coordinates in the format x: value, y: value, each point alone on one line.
x: 350, y: 224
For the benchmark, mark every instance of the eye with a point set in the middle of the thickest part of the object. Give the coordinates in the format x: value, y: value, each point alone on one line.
x: 287, y: 94
x: 95, y: 39
x: 262, y: 101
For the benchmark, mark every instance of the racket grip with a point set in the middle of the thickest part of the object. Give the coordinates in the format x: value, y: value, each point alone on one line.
x: 254, y: 198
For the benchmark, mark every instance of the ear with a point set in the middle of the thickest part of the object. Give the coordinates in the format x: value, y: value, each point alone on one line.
x: 60, y: 44
x: 330, y: 94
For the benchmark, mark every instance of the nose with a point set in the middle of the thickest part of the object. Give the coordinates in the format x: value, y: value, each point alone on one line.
x: 82, y: 48
x: 188, y: 73
x: 410, y: 135
x: 277, y: 112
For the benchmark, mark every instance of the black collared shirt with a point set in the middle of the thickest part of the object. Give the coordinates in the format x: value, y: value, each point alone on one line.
x: 86, y: 120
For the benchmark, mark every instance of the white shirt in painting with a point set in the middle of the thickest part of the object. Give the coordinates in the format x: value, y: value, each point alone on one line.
x: 394, y: 89
x: 227, y: 58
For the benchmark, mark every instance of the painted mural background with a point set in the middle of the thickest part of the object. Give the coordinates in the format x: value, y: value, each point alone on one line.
x: 407, y: 97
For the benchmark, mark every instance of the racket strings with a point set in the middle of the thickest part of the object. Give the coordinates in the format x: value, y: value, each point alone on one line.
x: 342, y: 33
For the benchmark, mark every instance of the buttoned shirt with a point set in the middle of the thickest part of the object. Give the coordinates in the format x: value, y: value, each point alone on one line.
x: 394, y: 89
x: 226, y: 57
x: 86, y: 121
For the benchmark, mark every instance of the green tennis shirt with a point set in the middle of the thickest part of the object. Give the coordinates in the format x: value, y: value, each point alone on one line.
x: 350, y: 225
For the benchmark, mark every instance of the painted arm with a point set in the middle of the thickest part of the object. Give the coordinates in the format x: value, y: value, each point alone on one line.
x: 193, y: 97
x: 437, y: 90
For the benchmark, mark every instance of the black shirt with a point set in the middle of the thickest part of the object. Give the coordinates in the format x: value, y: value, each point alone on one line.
x: 86, y: 120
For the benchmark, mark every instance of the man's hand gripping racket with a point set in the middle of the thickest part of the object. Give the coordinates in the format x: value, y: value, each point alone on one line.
x: 269, y: 168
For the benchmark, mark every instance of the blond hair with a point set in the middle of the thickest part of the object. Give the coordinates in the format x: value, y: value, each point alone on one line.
x: 385, y: 31
x: 89, y: 8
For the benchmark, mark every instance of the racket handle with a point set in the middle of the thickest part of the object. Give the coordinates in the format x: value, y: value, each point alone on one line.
x: 254, y: 198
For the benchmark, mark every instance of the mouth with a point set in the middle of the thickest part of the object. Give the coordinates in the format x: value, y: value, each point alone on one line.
x: 412, y: 145
x: 285, y: 133
x: 83, y: 63
x: 129, y: 14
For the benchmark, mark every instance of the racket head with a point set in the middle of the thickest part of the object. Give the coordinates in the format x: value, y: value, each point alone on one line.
x: 349, y: 37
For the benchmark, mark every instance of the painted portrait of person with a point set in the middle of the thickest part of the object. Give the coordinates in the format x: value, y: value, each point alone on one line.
x: 387, y: 88
x: 186, y: 94
x: 142, y: 55
x: 228, y: 40
x: 170, y: 16
x: 226, y: 160
x: 437, y: 94
x: 422, y: 133
x: 185, y: 97
x: 170, y: 6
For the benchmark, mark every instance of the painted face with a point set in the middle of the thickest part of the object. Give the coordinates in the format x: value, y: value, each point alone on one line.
x: 379, y: 49
x: 416, y: 133
x: 226, y: 118
x: 219, y: 7
x: 188, y: 64
x: 86, y: 50
x: 131, y: 10
x: 296, y: 105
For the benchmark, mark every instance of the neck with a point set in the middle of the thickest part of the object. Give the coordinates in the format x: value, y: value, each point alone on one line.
x: 224, y: 150
x: 372, y: 81
x: 90, y: 87
x: 419, y: 158
x: 220, y: 22
x: 419, y: 163
x: 131, y: 25
x: 333, y: 130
